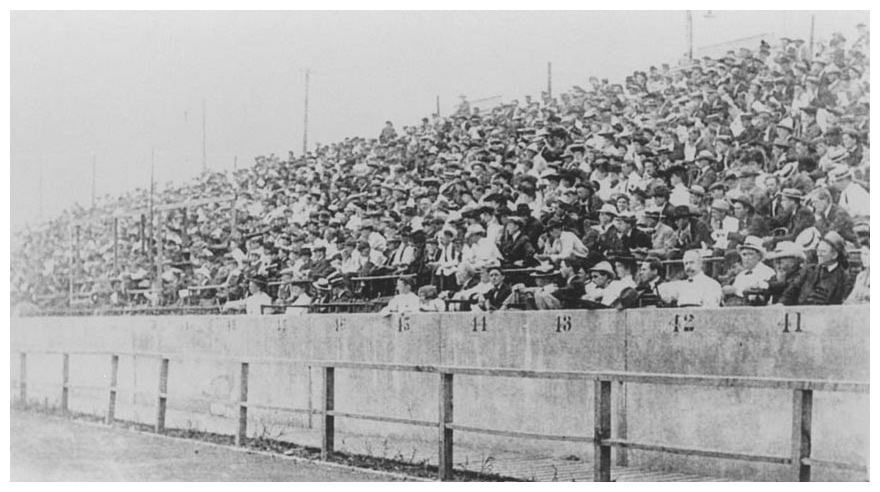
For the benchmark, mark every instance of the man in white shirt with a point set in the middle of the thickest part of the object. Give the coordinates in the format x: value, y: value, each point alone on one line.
x: 479, y: 252
x: 299, y: 300
x: 563, y: 244
x: 853, y: 198
x: 405, y: 301
x: 754, y: 276
x: 698, y: 290
x: 253, y: 304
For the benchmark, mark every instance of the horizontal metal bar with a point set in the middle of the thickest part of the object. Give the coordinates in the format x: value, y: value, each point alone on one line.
x: 280, y: 408
x: 735, y: 381
x: 377, y: 367
x: 840, y: 465
x: 709, y: 453
x: 525, y: 435
x: 517, y: 373
x: 379, y: 418
x: 627, y: 377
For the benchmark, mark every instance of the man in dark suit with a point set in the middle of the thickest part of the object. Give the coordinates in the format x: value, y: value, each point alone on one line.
x: 830, y: 217
x: 792, y: 216
x: 516, y: 248
x: 500, y: 291
x: 630, y: 239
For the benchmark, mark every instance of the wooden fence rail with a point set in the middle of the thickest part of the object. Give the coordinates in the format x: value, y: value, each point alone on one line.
x: 602, y: 440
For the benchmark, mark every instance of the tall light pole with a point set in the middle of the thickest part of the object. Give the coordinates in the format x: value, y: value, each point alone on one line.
x: 93, y: 180
x: 306, y: 116
x: 204, y: 136
x: 690, y: 35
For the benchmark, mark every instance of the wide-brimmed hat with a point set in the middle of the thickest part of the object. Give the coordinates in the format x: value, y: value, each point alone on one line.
x: 786, y: 249
x: 836, y: 241
x: 754, y: 243
x: 627, y: 216
x: 838, y: 173
x: 793, y: 193
x: 608, y: 209
x: 705, y: 154
x: 719, y: 204
x: 604, y: 267
x: 745, y: 200
x: 682, y: 211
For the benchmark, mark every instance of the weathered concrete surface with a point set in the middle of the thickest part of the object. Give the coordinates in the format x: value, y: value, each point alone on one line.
x: 832, y: 344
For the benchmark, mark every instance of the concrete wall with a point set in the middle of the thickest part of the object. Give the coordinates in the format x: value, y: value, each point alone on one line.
x: 832, y: 344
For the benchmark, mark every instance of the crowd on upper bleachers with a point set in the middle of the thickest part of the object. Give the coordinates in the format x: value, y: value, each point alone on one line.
x: 741, y: 180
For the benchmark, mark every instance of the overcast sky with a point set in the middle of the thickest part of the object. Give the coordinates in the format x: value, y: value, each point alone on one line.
x: 115, y: 85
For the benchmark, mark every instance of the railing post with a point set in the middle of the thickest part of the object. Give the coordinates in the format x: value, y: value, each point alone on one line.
x: 242, y: 406
x: 601, y: 431
x: 22, y: 377
x: 65, y: 381
x: 444, y: 469
x: 163, y: 396
x: 114, y: 380
x: 311, y: 409
x: 327, y: 421
x: 801, y: 434
x: 622, y: 458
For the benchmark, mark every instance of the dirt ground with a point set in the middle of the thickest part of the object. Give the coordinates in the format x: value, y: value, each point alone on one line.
x: 48, y: 449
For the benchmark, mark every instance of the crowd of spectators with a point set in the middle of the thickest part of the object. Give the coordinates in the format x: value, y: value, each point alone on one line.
x: 741, y: 180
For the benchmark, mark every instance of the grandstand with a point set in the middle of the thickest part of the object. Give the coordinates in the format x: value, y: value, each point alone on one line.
x: 577, y: 198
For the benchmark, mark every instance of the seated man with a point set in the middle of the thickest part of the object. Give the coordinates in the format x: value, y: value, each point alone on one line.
x: 650, y: 277
x: 698, y: 290
x: 493, y: 299
x: 749, y: 287
x: 253, y: 304
x: 601, y: 276
x: 788, y: 258
x: 538, y: 297
x: 298, y: 297
x: 826, y: 282
x: 405, y: 301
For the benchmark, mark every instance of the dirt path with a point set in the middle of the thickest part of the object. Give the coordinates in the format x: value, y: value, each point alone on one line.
x: 48, y: 449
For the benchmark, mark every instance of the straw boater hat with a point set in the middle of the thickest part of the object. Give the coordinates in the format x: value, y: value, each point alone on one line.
x: 753, y: 243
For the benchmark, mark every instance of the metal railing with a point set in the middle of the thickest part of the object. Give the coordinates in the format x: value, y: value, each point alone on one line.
x: 799, y: 460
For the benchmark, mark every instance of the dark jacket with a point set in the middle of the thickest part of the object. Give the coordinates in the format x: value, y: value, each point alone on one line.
x: 817, y: 286
x: 570, y: 293
x: 795, y: 222
x: 693, y: 236
x: 520, y: 249
x: 635, y: 239
x: 838, y: 220
x: 497, y: 295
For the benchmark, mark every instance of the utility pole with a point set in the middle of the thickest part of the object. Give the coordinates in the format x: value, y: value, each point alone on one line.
x: 204, y: 136
x: 690, y: 36
x: 812, y: 33
x: 93, y: 180
x: 549, y: 80
x: 306, y: 117
x: 438, y: 106
x: 41, y: 190
x: 152, y: 187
